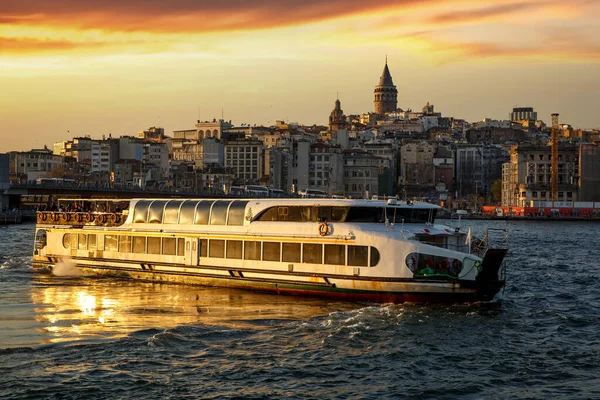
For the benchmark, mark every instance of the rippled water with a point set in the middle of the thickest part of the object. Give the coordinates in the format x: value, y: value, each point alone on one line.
x: 83, y: 337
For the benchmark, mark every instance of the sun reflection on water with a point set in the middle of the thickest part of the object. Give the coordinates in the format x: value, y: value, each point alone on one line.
x: 89, y: 309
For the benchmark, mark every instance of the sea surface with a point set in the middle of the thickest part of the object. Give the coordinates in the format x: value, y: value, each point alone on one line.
x: 82, y: 337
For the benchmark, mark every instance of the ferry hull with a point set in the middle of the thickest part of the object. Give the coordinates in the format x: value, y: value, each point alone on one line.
x: 340, y: 288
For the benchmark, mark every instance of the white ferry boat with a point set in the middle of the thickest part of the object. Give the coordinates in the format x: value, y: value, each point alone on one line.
x: 374, y: 250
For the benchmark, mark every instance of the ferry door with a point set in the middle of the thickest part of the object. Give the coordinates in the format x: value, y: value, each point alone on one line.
x: 191, y: 251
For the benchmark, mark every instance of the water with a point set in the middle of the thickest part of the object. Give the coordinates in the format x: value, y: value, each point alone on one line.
x: 82, y: 337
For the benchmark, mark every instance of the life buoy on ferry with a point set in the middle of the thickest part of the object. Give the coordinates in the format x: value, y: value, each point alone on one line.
x: 323, y: 229
x: 54, y: 216
x: 65, y: 217
x: 113, y: 218
x: 101, y: 219
x: 78, y: 217
x: 88, y: 217
x: 41, y: 216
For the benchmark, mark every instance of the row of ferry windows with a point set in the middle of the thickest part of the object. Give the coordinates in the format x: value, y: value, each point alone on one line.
x: 347, y: 214
x: 313, y: 253
x: 127, y: 244
x: 199, y: 212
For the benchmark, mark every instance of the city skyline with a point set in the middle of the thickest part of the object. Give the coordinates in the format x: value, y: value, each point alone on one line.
x: 72, y: 68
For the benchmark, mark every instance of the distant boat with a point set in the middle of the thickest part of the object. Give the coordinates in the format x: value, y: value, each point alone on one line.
x: 374, y: 250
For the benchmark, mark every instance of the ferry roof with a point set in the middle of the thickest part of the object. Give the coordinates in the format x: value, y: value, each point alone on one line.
x: 265, y: 202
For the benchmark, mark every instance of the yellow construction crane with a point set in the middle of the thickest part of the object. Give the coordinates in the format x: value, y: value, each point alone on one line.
x: 554, y: 157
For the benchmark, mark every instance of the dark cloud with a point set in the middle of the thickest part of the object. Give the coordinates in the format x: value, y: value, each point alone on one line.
x: 188, y: 15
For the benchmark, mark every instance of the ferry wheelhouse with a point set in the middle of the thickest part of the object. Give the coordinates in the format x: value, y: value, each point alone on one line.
x: 375, y: 250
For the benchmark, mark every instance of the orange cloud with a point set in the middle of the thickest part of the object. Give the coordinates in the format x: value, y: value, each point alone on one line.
x: 26, y: 45
x: 481, y: 14
x: 443, y: 51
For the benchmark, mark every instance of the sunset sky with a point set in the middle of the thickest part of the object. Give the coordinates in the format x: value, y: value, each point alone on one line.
x: 90, y: 67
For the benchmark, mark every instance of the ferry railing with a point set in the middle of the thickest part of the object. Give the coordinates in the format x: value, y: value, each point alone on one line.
x: 480, y: 246
x: 81, y: 218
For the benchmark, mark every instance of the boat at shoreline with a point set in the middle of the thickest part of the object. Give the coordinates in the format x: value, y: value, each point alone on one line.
x: 372, y: 250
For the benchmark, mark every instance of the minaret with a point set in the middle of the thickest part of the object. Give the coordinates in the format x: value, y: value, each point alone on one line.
x: 386, y: 94
x: 337, y: 120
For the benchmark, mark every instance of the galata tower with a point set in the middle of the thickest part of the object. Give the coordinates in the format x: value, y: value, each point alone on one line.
x: 386, y: 94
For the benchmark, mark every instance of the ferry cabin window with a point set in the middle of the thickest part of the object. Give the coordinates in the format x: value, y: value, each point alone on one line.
x: 203, y: 247
x: 140, y: 213
x: 91, y: 242
x: 110, y: 243
x: 392, y: 214
x: 153, y: 245
x: 303, y: 214
x: 171, y: 213
x: 234, y: 249
x: 218, y: 214
x: 252, y: 251
x: 365, y: 214
x: 186, y: 213
x: 169, y: 246
x: 124, y: 244
x: 203, y: 212
x: 335, y: 254
x: 82, y: 241
x: 180, y: 246
x: 216, y: 248
x: 155, y: 214
x: 236, y: 213
x: 272, y: 250
x: 374, y: 257
x: 313, y: 253
x: 66, y: 242
x: 291, y: 252
x: 358, y: 256
x: 139, y: 244
x: 426, y: 265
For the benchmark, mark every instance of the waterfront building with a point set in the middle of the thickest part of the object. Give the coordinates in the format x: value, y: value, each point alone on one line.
x: 300, y: 150
x: 469, y: 170
x: 361, y: 175
x: 27, y: 166
x: 280, y: 163
x: 102, y: 156
x: 416, y: 177
x: 387, y: 152
x: 245, y: 158
x: 589, y: 172
x: 214, y: 128
x: 443, y: 166
x: 523, y: 114
x: 386, y: 94
x: 154, y: 134
x: 4, y: 179
x: 213, y: 153
x: 527, y: 177
x: 326, y: 168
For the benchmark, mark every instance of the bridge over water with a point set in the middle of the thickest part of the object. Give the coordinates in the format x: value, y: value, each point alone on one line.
x: 18, y: 194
